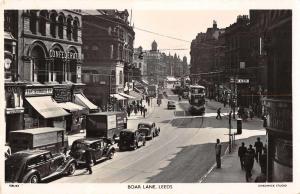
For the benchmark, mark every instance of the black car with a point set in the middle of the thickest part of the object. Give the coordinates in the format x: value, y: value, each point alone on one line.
x: 100, y: 148
x: 131, y: 139
x: 149, y: 129
x: 33, y: 166
x: 171, y: 105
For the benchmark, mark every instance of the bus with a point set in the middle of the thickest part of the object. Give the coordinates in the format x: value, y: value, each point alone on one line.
x: 197, y: 99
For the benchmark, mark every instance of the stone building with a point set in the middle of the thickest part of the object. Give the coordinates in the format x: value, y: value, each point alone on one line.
x: 273, y: 33
x: 108, y: 47
x: 48, y: 61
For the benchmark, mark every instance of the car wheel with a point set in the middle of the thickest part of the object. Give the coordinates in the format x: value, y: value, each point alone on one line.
x: 33, y: 179
x: 71, y: 168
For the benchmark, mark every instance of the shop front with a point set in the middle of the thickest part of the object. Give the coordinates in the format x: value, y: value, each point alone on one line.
x: 41, y: 110
x: 62, y: 94
x: 14, y: 110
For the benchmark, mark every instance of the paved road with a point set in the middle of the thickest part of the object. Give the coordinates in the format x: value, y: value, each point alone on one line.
x: 182, y: 153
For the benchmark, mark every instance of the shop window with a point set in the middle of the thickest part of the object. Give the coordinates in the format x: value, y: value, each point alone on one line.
x: 32, y: 21
x: 53, y: 24
x: 61, y: 20
x: 69, y: 28
x: 58, y: 69
x: 42, y: 22
x: 75, y: 29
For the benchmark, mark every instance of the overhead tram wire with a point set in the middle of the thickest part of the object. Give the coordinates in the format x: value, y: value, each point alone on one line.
x: 138, y: 28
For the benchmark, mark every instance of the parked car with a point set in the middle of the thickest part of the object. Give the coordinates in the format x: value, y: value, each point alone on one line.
x: 171, y: 105
x: 33, y: 166
x: 149, y: 129
x: 131, y: 139
x: 100, y: 148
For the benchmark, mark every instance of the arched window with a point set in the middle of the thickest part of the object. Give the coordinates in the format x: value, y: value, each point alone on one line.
x: 53, y: 24
x: 61, y: 20
x: 42, y: 23
x: 75, y: 29
x: 32, y: 22
x: 39, y: 65
x: 69, y: 28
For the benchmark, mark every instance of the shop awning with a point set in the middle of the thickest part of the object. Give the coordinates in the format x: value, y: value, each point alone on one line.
x: 117, y: 96
x: 71, y: 106
x: 83, y: 101
x: 127, y: 96
x: 136, y: 94
x: 46, y: 106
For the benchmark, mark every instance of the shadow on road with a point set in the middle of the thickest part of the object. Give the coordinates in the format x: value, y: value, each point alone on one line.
x: 188, y: 165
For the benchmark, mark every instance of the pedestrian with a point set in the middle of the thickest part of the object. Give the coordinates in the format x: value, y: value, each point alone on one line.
x: 135, y: 110
x: 247, y: 165
x: 258, y: 149
x: 138, y: 106
x: 241, y: 153
x: 252, y: 154
x: 218, y: 148
x: 219, y: 113
x: 263, y: 161
x: 251, y: 113
x: 128, y: 111
x: 224, y: 102
x: 148, y: 102
x: 88, y: 160
x: 144, y: 111
x: 229, y: 118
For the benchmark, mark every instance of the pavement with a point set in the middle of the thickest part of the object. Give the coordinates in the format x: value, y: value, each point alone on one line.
x: 230, y: 171
x: 150, y: 110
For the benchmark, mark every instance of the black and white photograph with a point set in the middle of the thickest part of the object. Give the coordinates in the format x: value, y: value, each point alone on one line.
x: 149, y: 98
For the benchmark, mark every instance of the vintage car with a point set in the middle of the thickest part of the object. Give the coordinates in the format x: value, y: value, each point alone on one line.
x: 100, y: 148
x: 149, y: 129
x: 131, y: 139
x: 171, y: 105
x: 33, y: 166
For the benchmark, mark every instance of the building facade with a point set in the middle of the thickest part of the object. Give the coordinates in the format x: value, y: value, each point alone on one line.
x: 48, y: 64
x: 108, y: 47
x: 275, y: 35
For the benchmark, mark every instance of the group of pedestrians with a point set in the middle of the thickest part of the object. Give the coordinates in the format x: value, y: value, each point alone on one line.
x: 136, y: 107
x: 249, y: 155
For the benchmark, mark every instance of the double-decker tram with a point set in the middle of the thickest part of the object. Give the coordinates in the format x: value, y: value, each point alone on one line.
x: 197, y: 99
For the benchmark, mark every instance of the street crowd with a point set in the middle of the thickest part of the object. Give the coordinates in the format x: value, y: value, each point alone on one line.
x: 137, y: 106
x: 247, y: 157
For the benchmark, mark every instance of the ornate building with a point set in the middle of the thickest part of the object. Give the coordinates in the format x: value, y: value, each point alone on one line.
x: 108, y: 48
x: 47, y: 63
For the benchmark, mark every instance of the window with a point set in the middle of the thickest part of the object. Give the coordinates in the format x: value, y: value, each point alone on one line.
x: 61, y: 20
x: 53, y: 24
x: 42, y: 23
x: 32, y: 22
x: 69, y: 28
x: 121, y: 78
x: 75, y: 29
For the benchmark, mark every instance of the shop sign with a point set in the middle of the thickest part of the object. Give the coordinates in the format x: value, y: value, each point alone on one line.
x: 10, y: 111
x: 62, y: 54
x: 62, y: 94
x: 242, y: 81
x: 38, y: 91
x: 111, y: 122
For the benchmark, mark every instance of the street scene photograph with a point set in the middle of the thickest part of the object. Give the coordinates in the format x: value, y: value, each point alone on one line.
x: 148, y: 96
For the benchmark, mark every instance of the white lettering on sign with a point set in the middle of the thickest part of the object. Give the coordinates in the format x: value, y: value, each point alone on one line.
x: 242, y: 81
x: 62, y: 54
x: 38, y: 91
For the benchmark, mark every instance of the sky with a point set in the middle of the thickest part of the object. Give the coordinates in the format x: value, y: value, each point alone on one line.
x: 181, y: 24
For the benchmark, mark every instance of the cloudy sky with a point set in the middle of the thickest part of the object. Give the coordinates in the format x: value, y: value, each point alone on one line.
x: 180, y: 24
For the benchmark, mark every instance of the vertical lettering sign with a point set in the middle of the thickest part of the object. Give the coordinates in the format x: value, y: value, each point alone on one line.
x: 62, y: 94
